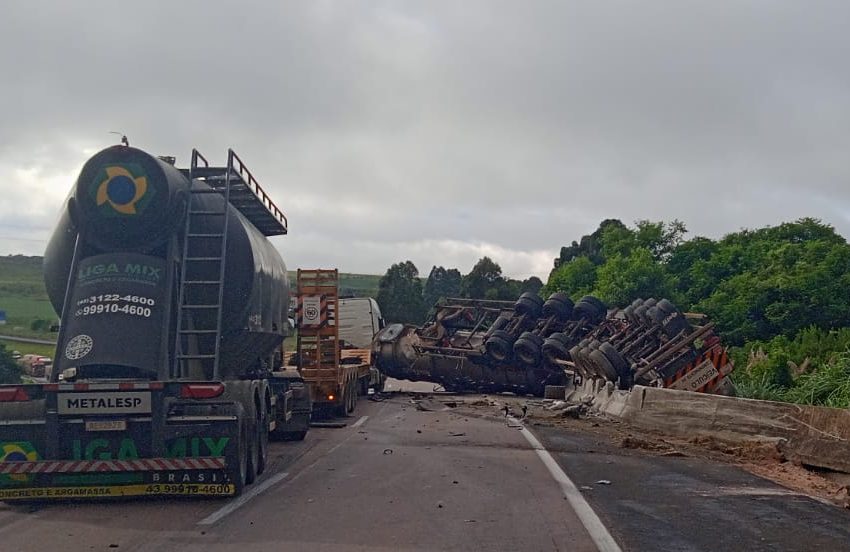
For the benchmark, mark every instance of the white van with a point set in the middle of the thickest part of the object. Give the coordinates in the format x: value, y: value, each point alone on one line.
x: 359, y: 320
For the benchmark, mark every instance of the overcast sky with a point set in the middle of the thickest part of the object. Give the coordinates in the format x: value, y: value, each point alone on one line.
x: 442, y: 131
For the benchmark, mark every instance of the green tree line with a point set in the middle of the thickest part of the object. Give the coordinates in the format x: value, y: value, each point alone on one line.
x: 403, y: 297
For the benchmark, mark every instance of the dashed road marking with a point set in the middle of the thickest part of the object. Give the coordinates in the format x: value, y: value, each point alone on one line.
x: 237, y: 503
x: 597, y: 530
x: 360, y: 422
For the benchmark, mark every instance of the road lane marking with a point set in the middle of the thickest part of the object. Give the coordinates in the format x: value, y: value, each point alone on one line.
x: 237, y: 503
x: 594, y: 526
x: 360, y: 422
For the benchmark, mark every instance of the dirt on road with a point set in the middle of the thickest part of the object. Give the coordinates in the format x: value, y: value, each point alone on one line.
x: 762, y: 458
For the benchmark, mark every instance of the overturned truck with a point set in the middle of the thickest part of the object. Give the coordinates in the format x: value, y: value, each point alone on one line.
x: 527, y: 345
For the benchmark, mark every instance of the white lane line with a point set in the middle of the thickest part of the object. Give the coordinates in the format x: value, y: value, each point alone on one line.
x: 360, y: 422
x: 237, y: 503
x: 598, y: 532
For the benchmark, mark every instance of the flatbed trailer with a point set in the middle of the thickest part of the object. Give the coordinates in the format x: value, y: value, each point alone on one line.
x: 335, y: 376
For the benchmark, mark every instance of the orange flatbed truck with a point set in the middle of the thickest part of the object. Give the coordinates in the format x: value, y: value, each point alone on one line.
x: 335, y: 373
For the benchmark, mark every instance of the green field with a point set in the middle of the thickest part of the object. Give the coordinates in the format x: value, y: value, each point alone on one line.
x: 28, y: 348
x: 23, y: 297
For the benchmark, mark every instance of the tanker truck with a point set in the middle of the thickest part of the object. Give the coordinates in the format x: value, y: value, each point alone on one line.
x: 168, y: 376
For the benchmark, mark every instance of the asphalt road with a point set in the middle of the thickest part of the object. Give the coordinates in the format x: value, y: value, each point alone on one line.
x: 402, y: 479
x: 399, y: 478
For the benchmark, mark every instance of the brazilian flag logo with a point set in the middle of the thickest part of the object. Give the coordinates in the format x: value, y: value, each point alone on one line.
x: 121, y: 190
x: 21, y: 451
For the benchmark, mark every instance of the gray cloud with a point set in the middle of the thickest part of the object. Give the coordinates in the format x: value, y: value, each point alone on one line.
x: 446, y: 130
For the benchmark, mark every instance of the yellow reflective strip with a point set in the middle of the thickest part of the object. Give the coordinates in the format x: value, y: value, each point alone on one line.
x: 197, y: 489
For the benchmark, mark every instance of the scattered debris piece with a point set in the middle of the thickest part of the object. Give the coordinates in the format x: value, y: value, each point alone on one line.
x: 388, y: 451
x: 603, y: 482
x: 456, y: 433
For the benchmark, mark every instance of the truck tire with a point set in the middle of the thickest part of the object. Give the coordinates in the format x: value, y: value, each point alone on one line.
x: 499, y: 346
x: 341, y: 408
x: 638, y: 315
x: 265, y: 410
x: 603, y: 365
x: 529, y: 304
x: 238, y: 473
x: 555, y: 348
x: 244, y: 393
x: 352, y: 396
x: 253, y: 444
x: 558, y: 305
x: 620, y: 364
x: 644, y: 316
x: 673, y: 322
x: 528, y: 349
x: 591, y: 309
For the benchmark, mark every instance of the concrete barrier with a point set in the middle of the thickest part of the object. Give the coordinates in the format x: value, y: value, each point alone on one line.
x: 814, y: 435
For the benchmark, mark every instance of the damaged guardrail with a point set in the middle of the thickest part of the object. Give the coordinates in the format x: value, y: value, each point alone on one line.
x: 529, y: 344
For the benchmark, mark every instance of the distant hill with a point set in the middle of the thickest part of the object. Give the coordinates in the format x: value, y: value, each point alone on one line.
x: 23, y: 297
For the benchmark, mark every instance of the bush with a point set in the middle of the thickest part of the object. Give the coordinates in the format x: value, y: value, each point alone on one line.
x: 10, y: 371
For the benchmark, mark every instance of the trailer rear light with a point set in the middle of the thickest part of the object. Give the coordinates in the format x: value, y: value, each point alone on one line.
x: 201, y: 390
x: 13, y: 394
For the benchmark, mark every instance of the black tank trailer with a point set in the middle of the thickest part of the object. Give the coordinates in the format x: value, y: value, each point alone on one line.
x: 167, y: 377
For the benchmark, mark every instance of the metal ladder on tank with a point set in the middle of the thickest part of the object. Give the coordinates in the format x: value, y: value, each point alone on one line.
x: 186, y: 328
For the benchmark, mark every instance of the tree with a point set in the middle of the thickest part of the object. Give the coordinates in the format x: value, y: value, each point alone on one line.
x: 441, y: 282
x: 10, y: 371
x: 684, y: 266
x: 575, y: 278
x: 484, y: 281
x: 623, y: 279
x: 400, y: 294
x: 589, y: 246
x: 660, y: 238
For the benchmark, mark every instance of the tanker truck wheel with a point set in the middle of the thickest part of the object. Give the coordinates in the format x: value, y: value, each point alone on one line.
x: 264, y: 409
x: 252, y: 442
x: 237, y: 472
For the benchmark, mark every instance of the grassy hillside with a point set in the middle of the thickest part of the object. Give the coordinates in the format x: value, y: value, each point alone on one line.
x: 24, y: 299
x: 22, y: 295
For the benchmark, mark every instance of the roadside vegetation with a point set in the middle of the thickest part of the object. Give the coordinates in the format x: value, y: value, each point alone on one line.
x: 10, y: 371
